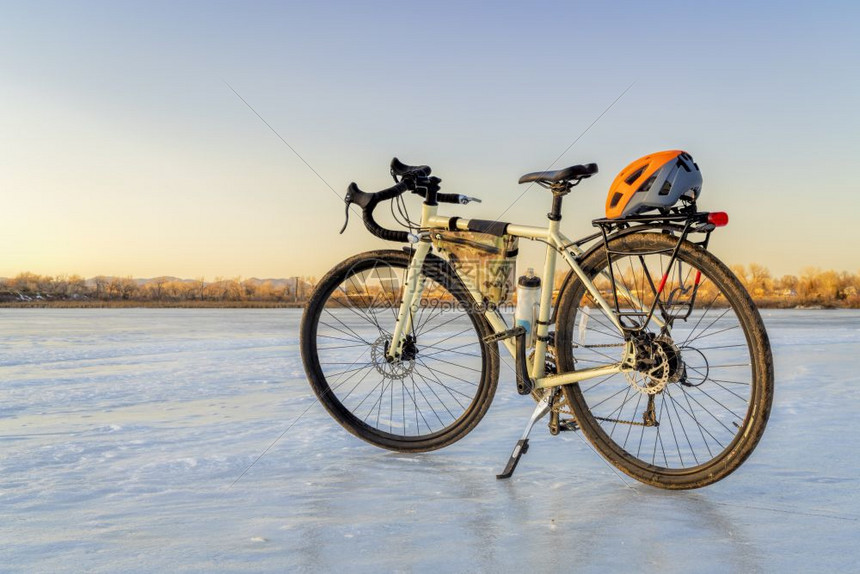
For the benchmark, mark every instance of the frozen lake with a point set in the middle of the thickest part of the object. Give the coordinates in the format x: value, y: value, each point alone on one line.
x: 123, y: 434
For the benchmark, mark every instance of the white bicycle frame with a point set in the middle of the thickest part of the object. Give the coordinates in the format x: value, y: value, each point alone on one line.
x: 557, y: 243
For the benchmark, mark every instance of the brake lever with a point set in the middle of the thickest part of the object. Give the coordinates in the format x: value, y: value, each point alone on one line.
x: 346, y: 220
x: 347, y: 200
x: 465, y: 199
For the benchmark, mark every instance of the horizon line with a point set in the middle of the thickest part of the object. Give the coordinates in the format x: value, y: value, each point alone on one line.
x: 240, y: 278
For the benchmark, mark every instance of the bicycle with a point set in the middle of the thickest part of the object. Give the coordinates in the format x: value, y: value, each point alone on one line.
x: 658, y: 354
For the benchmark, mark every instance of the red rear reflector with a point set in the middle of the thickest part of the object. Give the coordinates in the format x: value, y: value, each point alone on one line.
x: 718, y: 218
x: 662, y: 283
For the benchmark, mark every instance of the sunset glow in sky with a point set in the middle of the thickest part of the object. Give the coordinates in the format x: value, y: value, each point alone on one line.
x: 124, y: 152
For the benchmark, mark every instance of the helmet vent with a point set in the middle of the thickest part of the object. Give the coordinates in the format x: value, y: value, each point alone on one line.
x: 658, y: 181
x: 648, y: 183
x: 635, y: 175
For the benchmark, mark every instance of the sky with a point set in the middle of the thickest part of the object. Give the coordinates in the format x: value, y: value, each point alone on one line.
x: 124, y: 151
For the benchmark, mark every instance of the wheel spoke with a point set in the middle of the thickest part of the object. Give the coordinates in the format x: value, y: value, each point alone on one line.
x: 432, y: 389
x: 686, y: 403
x: 612, y: 331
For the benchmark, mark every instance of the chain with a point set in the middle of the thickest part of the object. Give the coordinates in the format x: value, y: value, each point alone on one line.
x: 603, y: 346
x: 649, y: 417
x: 632, y: 423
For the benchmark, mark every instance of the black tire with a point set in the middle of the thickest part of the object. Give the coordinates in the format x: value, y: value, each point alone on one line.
x: 427, y: 401
x: 711, y: 376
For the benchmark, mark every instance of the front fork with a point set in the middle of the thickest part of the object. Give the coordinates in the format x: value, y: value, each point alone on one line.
x: 411, y: 300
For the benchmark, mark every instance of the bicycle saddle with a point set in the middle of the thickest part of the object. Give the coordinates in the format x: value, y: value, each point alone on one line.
x: 572, y: 172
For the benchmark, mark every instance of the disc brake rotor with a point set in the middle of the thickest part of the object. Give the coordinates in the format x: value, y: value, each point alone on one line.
x: 390, y: 370
x: 677, y: 369
x: 651, y: 380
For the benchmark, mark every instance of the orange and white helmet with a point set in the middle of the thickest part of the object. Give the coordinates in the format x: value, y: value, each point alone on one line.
x: 655, y: 181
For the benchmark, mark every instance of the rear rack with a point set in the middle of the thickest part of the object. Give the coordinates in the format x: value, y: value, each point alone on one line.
x: 681, y: 223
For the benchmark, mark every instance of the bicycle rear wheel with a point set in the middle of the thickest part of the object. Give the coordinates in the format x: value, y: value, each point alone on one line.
x: 446, y: 379
x: 698, y: 402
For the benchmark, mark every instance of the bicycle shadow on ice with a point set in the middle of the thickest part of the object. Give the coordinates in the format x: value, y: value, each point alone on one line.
x: 447, y: 510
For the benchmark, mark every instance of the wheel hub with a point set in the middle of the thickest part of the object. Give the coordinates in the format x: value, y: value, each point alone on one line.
x: 651, y: 374
x: 676, y: 367
x: 658, y: 362
x: 397, y: 369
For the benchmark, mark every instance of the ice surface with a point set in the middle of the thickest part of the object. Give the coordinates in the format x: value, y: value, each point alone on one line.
x: 121, y: 432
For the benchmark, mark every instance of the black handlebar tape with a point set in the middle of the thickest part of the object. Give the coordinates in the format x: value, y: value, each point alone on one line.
x: 391, y: 192
x: 368, y: 202
x: 381, y: 232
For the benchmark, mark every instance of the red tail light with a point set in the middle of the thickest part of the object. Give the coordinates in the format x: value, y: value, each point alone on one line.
x: 718, y: 218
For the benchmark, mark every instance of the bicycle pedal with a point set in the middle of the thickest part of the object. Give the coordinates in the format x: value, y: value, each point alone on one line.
x: 568, y: 425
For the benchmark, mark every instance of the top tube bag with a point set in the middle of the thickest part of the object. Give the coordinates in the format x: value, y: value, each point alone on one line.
x: 485, y: 262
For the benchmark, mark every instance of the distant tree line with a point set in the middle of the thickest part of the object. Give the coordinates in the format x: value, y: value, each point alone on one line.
x: 32, y: 288
x: 813, y: 287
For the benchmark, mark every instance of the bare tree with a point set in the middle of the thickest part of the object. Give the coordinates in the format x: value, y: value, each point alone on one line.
x: 760, y: 281
x: 101, y: 284
x: 808, y: 286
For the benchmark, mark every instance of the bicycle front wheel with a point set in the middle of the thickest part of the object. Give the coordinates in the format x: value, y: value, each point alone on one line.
x: 443, y: 384
x: 697, y: 402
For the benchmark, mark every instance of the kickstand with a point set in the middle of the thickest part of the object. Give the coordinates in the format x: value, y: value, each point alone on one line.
x: 542, y: 408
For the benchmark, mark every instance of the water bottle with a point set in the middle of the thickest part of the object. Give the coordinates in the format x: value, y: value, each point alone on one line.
x: 528, y: 302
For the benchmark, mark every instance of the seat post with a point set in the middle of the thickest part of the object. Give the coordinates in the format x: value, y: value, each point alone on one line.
x: 559, y: 190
